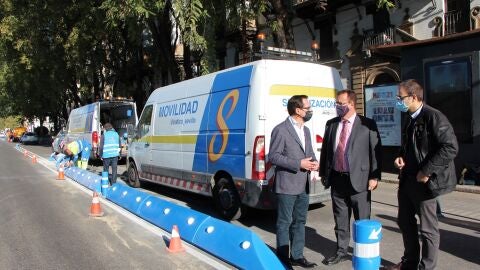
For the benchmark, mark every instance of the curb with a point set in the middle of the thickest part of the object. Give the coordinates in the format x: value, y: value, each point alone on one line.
x: 392, y: 179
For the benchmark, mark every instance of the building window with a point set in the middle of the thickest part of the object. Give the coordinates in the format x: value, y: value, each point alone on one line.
x: 449, y: 89
x: 457, y: 18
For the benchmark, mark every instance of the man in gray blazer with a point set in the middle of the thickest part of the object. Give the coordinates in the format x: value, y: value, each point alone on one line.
x: 292, y: 153
x: 350, y: 161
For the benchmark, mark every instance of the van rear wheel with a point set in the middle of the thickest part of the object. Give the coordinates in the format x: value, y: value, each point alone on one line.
x: 133, y: 179
x: 227, y: 200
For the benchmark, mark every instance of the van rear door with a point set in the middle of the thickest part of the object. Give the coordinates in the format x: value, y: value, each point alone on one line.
x: 319, y: 83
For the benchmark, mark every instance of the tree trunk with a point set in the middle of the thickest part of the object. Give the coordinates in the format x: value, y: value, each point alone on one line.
x: 161, y: 28
x: 187, y: 62
x: 284, y: 33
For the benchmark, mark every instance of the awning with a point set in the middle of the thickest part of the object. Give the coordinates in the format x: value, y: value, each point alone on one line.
x: 395, y: 49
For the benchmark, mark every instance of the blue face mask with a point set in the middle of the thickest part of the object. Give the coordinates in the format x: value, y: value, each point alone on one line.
x: 401, y: 106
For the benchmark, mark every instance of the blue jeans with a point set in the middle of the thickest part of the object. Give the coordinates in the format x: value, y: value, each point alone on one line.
x: 107, y: 162
x: 291, y: 218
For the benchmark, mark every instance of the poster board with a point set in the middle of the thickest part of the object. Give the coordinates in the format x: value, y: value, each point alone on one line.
x: 380, y: 106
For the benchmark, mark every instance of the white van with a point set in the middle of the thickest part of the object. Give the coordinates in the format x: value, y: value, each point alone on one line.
x: 210, y: 135
x: 86, y: 122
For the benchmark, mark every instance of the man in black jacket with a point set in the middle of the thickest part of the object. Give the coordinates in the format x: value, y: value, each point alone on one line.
x: 427, y: 170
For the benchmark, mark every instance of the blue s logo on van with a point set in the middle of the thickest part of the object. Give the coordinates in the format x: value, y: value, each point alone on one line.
x: 221, y: 140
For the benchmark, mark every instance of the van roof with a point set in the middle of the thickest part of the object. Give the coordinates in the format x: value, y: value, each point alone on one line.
x: 207, y: 79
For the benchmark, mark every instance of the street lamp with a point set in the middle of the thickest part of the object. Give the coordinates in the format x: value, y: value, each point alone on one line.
x: 261, y: 38
x: 315, y: 47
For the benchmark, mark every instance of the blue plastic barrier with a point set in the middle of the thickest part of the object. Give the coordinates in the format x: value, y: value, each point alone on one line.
x: 166, y: 214
x: 237, y: 245
x: 85, y: 178
x: 104, y: 183
x: 97, y: 183
x: 70, y: 171
x: 90, y: 180
x: 127, y: 197
x: 366, y: 251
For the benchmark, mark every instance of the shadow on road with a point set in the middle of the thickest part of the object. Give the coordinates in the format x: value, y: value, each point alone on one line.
x: 460, y: 245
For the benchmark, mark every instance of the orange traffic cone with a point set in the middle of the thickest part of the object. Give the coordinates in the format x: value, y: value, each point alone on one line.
x: 95, y: 209
x: 175, y: 242
x: 34, y: 159
x: 61, y: 173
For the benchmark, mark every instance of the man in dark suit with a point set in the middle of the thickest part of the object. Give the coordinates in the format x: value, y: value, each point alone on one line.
x: 350, y: 162
x: 427, y: 170
x: 291, y: 151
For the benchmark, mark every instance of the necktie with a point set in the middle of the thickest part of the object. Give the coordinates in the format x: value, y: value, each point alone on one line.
x: 341, y: 163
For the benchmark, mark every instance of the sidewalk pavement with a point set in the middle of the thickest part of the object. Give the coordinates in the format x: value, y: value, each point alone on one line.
x: 393, y: 178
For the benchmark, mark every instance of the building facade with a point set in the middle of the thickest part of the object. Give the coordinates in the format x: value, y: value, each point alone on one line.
x: 372, y: 46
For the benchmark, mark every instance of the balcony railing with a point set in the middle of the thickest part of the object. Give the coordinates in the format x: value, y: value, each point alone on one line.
x: 456, y: 21
x: 382, y: 38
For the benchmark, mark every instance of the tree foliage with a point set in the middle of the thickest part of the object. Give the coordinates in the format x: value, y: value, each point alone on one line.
x: 388, y: 4
x: 59, y: 54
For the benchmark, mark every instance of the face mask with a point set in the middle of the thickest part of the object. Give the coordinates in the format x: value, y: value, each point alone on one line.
x: 308, y: 116
x: 401, y: 106
x: 341, y: 110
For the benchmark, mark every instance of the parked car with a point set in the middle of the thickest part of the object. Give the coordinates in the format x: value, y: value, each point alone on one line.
x: 29, y: 138
x: 2, y: 134
x: 57, y: 140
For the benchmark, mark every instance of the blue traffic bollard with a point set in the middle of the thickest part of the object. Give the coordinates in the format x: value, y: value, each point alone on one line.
x: 104, y: 183
x: 366, y: 251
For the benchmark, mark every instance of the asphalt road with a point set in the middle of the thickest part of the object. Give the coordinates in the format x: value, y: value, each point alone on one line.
x: 460, y: 229
x: 45, y: 224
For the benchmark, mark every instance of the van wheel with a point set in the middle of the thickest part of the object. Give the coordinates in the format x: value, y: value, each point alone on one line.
x: 227, y: 200
x: 133, y: 179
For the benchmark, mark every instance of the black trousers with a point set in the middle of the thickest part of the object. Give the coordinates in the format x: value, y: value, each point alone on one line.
x: 346, y: 200
x: 415, y: 199
x: 107, y: 162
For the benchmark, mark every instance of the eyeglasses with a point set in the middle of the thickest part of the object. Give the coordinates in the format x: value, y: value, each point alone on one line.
x: 403, y: 97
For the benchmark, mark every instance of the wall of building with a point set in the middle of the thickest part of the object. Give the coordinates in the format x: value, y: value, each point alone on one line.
x: 412, y: 67
x: 303, y: 38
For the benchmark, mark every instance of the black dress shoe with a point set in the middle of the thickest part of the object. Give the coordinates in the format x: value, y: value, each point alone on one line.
x: 335, y: 259
x: 302, y: 262
x: 286, y: 263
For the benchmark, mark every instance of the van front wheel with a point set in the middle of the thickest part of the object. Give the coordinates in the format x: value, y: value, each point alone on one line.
x: 227, y: 200
x: 133, y: 179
